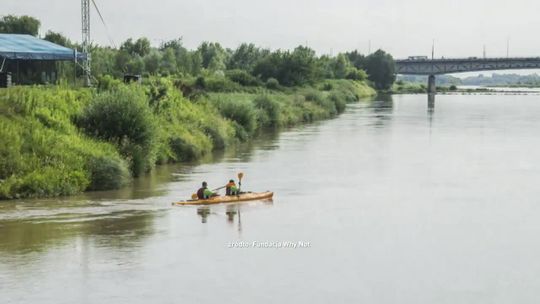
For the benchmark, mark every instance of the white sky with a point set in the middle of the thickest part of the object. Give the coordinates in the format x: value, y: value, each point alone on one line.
x: 460, y: 28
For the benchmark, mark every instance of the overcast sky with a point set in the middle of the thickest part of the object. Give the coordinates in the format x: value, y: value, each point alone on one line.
x: 460, y: 28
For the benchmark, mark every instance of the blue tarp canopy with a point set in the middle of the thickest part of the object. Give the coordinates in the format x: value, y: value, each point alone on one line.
x: 26, y: 47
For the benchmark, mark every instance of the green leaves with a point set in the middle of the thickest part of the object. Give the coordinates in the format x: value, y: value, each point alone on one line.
x: 123, y: 116
x: 11, y: 24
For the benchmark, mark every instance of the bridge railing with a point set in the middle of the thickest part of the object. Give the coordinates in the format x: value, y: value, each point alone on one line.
x: 468, y: 59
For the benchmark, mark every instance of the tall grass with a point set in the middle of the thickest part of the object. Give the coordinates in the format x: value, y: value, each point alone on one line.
x: 42, y: 152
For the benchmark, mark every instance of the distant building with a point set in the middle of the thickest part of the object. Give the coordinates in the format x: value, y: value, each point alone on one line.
x: 25, y: 59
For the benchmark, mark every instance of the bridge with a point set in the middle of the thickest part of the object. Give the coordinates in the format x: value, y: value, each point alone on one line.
x: 432, y: 67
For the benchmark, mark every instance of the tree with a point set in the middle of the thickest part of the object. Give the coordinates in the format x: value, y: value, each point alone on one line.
x: 11, y: 24
x: 289, y: 68
x: 184, y: 62
x: 140, y: 47
x: 356, y: 74
x: 127, y: 46
x: 152, y: 61
x: 380, y: 67
x: 175, y: 44
x: 269, y: 66
x: 135, y: 65
x: 168, y: 62
x: 214, y: 57
x: 246, y: 56
x: 57, y: 38
x: 357, y: 59
x: 104, y: 61
x: 299, y: 67
x: 196, y: 63
x: 183, y: 57
x: 122, y: 59
x: 341, y: 66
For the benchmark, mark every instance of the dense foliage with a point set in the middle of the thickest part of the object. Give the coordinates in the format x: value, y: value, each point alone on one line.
x: 379, y: 66
x: 19, y: 25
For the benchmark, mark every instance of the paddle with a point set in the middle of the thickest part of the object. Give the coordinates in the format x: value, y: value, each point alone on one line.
x: 219, y: 188
x: 240, y: 175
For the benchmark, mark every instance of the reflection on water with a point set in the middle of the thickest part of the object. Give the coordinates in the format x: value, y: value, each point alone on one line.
x: 431, y: 110
x: 231, y: 211
x: 382, y: 106
x: 203, y: 212
x: 119, y: 229
x: 431, y: 104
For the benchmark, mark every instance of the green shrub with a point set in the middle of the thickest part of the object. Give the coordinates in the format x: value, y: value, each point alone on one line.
x: 219, y: 139
x: 239, y: 111
x: 313, y: 95
x: 270, y: 111
x: 108, y: 82
x: 242, y: 77
x: 356, y: 74
x: 107, y: 173
x: 327, y: 86
x: 240, y: 132
x: 318, y: 99
x: 339, y: 99
x: 200, y: 83
x: 44, y: 181
x: 272, y: 84
x: 159, y: 91
x: 11, y: 160
x: 122, y: 116
x: 216, y: 83
x: 187, y: 147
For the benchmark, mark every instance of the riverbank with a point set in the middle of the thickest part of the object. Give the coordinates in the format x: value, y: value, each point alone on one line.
x: 420, y: 88
x: 401, y: 87
x: 58, y: 140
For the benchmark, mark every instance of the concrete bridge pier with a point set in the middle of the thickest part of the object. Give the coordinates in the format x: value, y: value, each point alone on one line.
x: 432, y: 87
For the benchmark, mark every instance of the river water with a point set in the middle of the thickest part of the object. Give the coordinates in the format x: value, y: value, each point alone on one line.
x: 399, y: 200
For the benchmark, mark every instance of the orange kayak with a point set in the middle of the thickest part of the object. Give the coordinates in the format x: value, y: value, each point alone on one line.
x: 249, y: 196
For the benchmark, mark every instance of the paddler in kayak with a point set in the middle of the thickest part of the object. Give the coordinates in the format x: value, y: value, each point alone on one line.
x: 204, y: 192
x: 231, y: 189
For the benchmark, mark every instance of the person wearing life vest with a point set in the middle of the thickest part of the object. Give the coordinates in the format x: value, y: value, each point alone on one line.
x: 204, y: 192
x: 231, y: 189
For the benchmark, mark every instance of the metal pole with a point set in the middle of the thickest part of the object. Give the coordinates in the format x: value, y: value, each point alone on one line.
x: 508, y: 47
x: 433, y: 50
x: 3, y: 63
x: 85, y: 18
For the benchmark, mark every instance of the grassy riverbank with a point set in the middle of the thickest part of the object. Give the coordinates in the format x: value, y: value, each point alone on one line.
x: 58, y: 140
x: 402, y: 87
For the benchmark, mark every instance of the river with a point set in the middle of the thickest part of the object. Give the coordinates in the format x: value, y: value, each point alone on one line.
x: 399, y: 200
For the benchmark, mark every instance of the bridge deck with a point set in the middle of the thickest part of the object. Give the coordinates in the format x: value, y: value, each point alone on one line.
x: 460, y: 65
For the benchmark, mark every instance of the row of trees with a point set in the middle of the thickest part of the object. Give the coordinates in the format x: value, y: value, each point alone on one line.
x: 298, y: 67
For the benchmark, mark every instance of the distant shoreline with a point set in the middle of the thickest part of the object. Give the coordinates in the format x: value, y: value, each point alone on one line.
x: 420, y: 88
